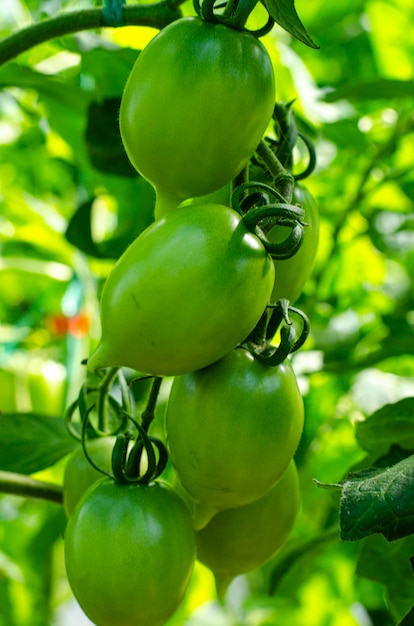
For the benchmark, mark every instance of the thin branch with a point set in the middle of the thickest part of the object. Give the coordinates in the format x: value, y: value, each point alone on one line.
x: 156, y: 15
x: 21, y: 485
x: 282, y: 567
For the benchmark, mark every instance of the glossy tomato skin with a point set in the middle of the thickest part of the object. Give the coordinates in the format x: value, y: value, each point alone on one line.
x: 232, y: 429
x: 79, y: 474
x: 292, y: 274
x: 129, y: 553
x: 239, y: 540
x: 195, y: 106
x: 185, y: 293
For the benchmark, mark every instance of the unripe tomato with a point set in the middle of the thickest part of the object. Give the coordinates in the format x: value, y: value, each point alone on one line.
x: 232, y: 429
x: 187, y: 291
x: 291, y: 274
x: 129, y: 553
x: 239, y: 540
x: 195, y: 107
x: 79, y: 474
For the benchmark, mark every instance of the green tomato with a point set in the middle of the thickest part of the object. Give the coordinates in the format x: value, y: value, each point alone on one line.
x: 79, y: 474
x: 291, y: 274
x: 239, y: 540
x: 186, y: 292
x: 195, y: 107
x: 129, y: 553
x: 232, y: 429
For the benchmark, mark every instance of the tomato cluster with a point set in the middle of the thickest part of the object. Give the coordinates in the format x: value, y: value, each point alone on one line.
x: 194, y: 297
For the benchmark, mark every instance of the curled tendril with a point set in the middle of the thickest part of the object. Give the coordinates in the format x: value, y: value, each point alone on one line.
x: 289, y: 340
x: 312, y: 158
x: 234, y: 16
x: 254, y: 194
x: 85, y: 425
x: 126, y: 464
x: 286, y: 215
x: 264, y: 30
x: 68, y: 417
x: 252, y: 201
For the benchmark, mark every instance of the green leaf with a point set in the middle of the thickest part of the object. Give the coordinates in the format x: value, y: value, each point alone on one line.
x: 389, y: 564
x: 391, y: 425
x: 30, y: 442
x: 378, y: 501
x: 103, y: 139
x: 372, y: 89
x: 284, y: 13
x: 79, y: 230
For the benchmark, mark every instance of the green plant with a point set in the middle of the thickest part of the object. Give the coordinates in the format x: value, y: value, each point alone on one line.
x: 71, y: 203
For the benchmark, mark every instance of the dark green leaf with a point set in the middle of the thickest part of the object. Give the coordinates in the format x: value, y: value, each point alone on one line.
x: 14, y: 75
x: 284, y: 13
x: 109, y: 68
x: 392, y: 424
x: 372, y: 89
x: 79, y: 230
x: 103, y: 139
x: 31, y: 442
x: 389, y: 564
x: 379, y: 501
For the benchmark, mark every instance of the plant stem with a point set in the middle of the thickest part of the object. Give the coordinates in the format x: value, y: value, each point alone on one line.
x: 155, y: 15
x: 103, y: 393
x: 21, y: 485
x: 284, y: 180
x: 284, y: 565
x: 149, y: 413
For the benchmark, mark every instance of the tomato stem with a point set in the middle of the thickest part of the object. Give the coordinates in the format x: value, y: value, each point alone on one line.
x: 20, y: 485
x: 102, y: 396
x: 283, y: 179
x: 240, y: 13
x: 157, y: 15
x: 148, y: 414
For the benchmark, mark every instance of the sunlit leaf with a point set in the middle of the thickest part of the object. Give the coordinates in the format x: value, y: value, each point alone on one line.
x: 379, y: 501
x: 391, y: 425
x: 284, y: 13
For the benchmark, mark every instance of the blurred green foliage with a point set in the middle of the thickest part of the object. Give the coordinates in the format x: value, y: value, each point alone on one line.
x: 70, y: 204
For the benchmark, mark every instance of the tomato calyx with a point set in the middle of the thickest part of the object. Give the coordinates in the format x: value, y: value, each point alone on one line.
x: 275, y: 319
x: 128, y: 452
x: 254, y: 202
x: 234, y: 14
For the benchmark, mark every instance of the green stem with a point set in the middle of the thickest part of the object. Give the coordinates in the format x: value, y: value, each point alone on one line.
x: 240, y: 13
x: 156, y: 15
x: 103, y: 392
x: 284, y: 565
x: 20, y: 485
x: 149, y: 413
x: 284, y: 180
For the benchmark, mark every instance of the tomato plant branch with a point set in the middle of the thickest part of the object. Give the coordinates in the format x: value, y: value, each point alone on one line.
x: 284, y: 565
x: 20, y: 485
x: 103, y: 393
x: 362, y: 192
x: 283, y: 179
x: 157, y: 15
x: 149, y: 413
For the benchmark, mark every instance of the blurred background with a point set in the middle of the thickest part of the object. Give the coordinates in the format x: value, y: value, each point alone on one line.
x: 69, y: 205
